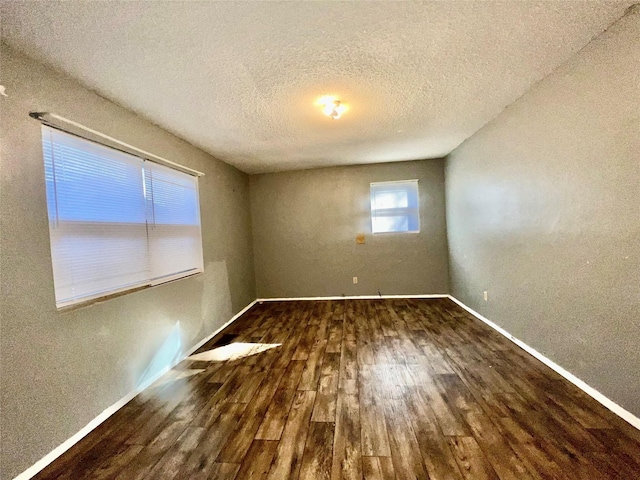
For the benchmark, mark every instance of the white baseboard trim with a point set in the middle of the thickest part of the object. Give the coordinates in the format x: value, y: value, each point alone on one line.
x: 589, y: 390
x: 206, y: 339
x: 67, y: 444
x: 353, y: 297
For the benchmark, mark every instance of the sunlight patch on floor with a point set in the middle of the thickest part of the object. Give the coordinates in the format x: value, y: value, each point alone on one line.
x: 233, y: 351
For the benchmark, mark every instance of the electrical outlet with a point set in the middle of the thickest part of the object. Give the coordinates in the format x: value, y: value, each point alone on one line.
x: 486, y: 297
x: 355, y: 279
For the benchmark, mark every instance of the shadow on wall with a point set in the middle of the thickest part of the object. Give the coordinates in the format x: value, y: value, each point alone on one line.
x: 212, y: 291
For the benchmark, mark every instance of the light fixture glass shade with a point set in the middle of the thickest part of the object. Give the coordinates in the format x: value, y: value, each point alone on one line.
x: 332, y: 107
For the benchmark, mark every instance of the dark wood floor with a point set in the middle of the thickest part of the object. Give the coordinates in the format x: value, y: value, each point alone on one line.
x: 359, y: 389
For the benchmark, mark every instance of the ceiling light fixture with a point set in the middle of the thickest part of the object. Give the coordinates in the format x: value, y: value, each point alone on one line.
x: 332, y: 107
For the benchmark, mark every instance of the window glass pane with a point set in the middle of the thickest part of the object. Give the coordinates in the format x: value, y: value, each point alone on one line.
x: 173, y: 202
x: 175, y: 242
x: 89, y: 260
x: 394, y: 207
x: 93, y: 183
x: 391, y: 199
x: 390, y: 224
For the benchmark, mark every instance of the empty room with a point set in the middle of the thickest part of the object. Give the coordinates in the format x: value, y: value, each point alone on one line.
x: 320, y: 240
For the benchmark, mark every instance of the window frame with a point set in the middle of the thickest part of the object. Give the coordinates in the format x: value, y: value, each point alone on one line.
x: 150, y: 281
x: 411, y: 212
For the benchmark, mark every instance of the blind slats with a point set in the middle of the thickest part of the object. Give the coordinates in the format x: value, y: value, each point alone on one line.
x: 116, y: 221
x: 174, y: 229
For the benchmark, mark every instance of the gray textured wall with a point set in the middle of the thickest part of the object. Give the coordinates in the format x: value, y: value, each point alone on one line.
x: 305, y: 224
x: 543, y: 212
x: 60, y: 370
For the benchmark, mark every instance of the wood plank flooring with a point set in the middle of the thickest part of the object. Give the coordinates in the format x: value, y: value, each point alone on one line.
x: 359, y: 390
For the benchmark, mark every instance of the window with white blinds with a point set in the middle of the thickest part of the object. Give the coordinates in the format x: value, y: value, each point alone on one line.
x: 116, y: 221
x: 395, y: 207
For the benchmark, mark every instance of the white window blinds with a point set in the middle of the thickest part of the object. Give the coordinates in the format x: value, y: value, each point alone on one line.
x: 173, y: 219
x: 395, y: 207
x: 116, y: 221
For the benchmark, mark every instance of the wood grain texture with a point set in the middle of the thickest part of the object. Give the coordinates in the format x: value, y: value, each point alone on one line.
x: 359, y: 390
x: 317, y: 460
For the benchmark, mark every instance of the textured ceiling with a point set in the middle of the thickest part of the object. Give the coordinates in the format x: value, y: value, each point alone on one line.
x: 240, y: 80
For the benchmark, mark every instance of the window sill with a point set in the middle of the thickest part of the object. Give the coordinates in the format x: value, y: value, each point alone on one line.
x: 397, y: 233
x: 89, y: 302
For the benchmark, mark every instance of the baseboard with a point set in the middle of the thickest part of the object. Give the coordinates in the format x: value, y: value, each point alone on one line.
x: 67, y: 444
x: 205, y: 340
x: 353, y: 297
x: 589, y: 390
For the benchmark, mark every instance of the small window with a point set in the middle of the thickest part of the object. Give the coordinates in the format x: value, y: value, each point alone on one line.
x: 116, y: 221
x: 394, y: 207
